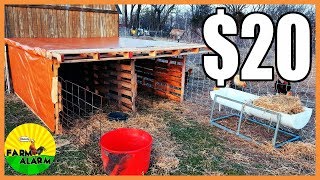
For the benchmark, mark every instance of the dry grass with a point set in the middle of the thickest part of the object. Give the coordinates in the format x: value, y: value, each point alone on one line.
x: 164, y: 148
x: 171, y: 155
x: 280, y: 103
x: 296, y: 158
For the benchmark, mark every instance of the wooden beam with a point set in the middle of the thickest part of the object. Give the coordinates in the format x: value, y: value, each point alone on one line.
x: 134, y: 57
x: 183, y: 73
x: 176, y: 52
x: 55, y: 94
x: 133, y: 85
x: 153, y: 53
x: 95, y: 56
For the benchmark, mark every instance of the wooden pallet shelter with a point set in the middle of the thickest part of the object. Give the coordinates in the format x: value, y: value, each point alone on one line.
x: 110, y: 66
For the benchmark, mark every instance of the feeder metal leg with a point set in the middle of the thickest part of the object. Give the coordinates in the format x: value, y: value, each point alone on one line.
x: 212, y: 108
x: 274, y: 140
x: 240, y: 120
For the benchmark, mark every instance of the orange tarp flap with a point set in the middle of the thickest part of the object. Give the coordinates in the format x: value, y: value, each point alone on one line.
x: 32, y: 78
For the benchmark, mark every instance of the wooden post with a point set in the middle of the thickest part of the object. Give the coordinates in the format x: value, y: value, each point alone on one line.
x: 183, y: 76
x: 118, y: 69
x: 57, y: 105
x: 133, y: 85
x: 154, y: 74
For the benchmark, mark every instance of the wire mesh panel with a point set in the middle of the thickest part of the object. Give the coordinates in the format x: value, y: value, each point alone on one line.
x: 79, y: 107
x: 78, y: 104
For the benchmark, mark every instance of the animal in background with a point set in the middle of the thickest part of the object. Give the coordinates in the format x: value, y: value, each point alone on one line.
x: 187, y: 74
x: 237, y: 83
x: 282, y: 87
x: 176, y: 34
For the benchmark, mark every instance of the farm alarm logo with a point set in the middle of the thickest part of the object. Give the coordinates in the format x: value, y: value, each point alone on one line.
x: 30, y: 149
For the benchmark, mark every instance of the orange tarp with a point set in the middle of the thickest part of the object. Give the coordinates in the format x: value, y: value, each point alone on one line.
x: 32, y: 81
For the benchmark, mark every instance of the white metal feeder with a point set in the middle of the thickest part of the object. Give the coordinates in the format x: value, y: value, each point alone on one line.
x: 242, y: 102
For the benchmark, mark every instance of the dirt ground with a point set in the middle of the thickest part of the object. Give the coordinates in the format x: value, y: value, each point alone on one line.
x: 184, y: 143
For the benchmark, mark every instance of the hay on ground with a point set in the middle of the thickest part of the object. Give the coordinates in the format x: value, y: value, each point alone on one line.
x: 280, y: 103
x: 164, y: 148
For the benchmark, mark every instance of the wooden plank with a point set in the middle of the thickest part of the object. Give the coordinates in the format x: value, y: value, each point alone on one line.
x: 11, y: 22
x: 168, y: 79
x: 83, y: 25
x: 134, y: 50
x: 31, y: 22
x: 162, y: 72
x: 102, y: 27
x: 123, y: 58
x: 124, y: 67
x: 122, y: 83
x: 169, y: 96
x: 172, y: 68
x: 141, y: 78
x: 153, y: 53
x: 39, y: 23
x: 150, y: 65
x: 183, y: 77
x: 166, y: 88
x: 56, y: 92
x: 76, y: 27
x: 176, y: 52
x: 105, y: 90
x: 73, y: 25
x: 143, y: 69
x: 61, y: 25
x: 95, y: 55
x: 20, y: 24
x: 94, y: 27
x: 173, y: 59
x: 44, y: 22
x: 60, y: 105
x: 195, y: 50
x: 89, y: 23
x: 134, y: 85
x: 53, y: 24
x: 143, y: 74
x: 125, y: 108
x: 121, y: 74
x: 175, y: 84
x: 120, y: 99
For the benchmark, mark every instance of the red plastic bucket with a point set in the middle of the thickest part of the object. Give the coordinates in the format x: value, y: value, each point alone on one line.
x: 126, y: 151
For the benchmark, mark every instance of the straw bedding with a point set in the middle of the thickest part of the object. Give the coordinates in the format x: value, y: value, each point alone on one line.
x: 164, y: 148
x: 280, y: 103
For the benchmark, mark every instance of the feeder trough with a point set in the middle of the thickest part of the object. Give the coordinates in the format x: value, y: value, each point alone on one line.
x: 242, y: 101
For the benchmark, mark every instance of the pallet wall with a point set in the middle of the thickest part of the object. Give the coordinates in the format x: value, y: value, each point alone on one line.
x: 115, y: 80
x: 162, y: 76
x: 61, y: 21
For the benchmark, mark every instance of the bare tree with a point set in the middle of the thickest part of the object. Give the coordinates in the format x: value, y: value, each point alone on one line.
x: 164, y: 11
x: 125, y: 16
x: 131, y: 14
x: 137, y: 18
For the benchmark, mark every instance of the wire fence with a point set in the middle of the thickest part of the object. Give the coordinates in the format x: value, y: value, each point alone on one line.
x: 78, y: 105
x: 198, y: 87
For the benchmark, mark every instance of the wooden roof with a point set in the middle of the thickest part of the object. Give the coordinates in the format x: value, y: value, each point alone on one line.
x: 71, y: 50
